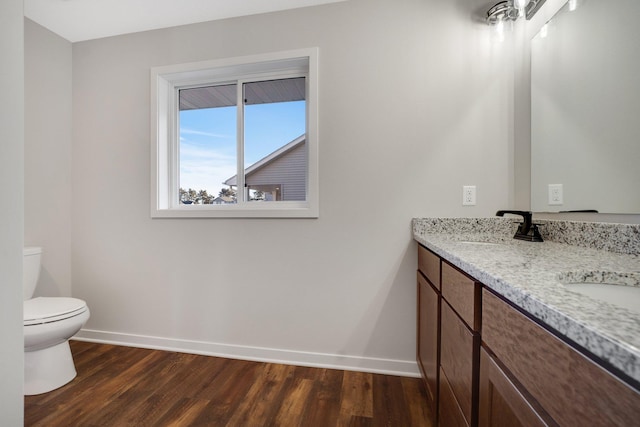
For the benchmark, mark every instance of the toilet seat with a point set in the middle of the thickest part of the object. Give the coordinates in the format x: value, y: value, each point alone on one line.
x: 42, y: 310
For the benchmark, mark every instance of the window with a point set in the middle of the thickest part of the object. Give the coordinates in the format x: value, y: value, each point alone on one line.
x: 236, y: 137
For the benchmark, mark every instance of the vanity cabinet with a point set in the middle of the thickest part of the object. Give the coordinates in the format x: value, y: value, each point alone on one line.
x: 557, y: 382
x: 487, y: 363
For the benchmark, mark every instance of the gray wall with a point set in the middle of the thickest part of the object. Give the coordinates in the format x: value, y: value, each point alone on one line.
x: 48, y: 203
x: 11, y: 211
x: 411, y: 109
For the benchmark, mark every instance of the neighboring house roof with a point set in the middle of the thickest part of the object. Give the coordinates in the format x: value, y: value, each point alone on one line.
x: 270, y: 158
x: 223, y: 199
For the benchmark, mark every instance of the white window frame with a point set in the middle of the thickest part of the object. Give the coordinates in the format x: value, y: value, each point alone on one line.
x: 165, y: 84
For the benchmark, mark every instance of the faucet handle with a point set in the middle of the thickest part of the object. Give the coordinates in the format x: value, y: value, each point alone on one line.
x: 523, y: 214
x: 526, y: 217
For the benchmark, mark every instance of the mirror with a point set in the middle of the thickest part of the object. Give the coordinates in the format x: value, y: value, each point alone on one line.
x: 585, y: 109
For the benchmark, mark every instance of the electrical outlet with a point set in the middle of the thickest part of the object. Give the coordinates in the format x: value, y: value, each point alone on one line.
x: 468, y: 195
x: 555, y: 194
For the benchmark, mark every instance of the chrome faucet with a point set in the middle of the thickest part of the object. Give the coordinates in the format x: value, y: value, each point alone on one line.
x: 527, y: 230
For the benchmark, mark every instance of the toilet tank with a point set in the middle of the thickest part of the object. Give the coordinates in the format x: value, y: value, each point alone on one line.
x: 30, y: 270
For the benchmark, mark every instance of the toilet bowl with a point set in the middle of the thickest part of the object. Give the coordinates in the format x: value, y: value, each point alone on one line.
x: 49, y: 322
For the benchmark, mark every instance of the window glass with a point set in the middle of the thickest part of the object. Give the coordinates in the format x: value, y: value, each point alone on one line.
x: 275, y: 152
x: 208, y: 137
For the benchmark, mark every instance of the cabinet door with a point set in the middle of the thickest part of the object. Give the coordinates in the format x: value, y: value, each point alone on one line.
x: 501, y: 402
x: 428, y: 338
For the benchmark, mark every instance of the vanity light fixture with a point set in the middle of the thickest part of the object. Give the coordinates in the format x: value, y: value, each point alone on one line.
x: 500, y: 16
x: 511, y: 10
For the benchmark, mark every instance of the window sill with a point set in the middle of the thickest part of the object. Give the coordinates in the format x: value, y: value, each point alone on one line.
x: 257, y: 210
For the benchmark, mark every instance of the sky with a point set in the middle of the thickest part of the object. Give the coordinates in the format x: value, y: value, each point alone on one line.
x: 208, y: 140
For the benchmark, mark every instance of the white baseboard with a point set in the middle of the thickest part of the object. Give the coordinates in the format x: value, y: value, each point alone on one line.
x: 405, y: 368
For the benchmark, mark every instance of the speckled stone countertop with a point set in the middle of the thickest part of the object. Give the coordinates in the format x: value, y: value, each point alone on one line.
x: 530, y: 275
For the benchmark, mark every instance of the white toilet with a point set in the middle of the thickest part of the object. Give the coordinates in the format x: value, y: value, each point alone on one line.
x: 49, y: 322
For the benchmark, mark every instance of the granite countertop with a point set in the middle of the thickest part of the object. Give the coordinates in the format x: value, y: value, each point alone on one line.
x: 529, y: 275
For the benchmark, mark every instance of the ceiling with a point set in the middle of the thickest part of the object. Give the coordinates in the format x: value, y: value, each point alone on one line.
x: 79, y: 20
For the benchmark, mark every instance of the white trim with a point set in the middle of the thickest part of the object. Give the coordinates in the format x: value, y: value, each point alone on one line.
x: 164, y: 84
x: 241, y: 194
x: 404, y: 368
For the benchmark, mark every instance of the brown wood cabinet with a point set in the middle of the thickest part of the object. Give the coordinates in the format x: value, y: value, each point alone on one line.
x: 428, y: 338
x: 428, y: 328
x: 567, y: 385
x: 463, y: 294
x: 458, y: 361
x: 487, y: 363
x: 460, y: 340
x: 429, y: 266
x: 450, y: 412
x: 448, y: 340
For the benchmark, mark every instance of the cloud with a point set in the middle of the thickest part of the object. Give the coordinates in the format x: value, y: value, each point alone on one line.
x: 205, y: 168
x: 196, y: 153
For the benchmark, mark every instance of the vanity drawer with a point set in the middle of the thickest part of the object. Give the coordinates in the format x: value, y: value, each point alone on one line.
x: 570, y: 387
x: 449, y: 413
x: 459, y: 348
x: 429, y: 265
x: 463, y: 293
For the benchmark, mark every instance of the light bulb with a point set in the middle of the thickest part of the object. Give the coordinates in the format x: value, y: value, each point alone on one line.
x: 572, y: 5
x: 498, y: 31
x: 520, y: 5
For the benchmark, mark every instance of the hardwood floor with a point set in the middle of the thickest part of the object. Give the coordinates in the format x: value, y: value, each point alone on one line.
x: 126, y: 386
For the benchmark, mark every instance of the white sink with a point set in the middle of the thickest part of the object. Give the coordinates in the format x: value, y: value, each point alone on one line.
x: 620, y: 289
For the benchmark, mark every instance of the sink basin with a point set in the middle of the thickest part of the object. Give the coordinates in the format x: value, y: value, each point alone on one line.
x: 620, y: 289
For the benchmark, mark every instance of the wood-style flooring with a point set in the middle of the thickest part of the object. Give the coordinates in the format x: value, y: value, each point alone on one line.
x: 126, y: 386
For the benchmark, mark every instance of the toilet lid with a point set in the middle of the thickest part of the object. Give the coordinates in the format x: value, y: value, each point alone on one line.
x: 50, y: 309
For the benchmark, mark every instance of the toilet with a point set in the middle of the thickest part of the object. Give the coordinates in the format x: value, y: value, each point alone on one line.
x: 49, y: 322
